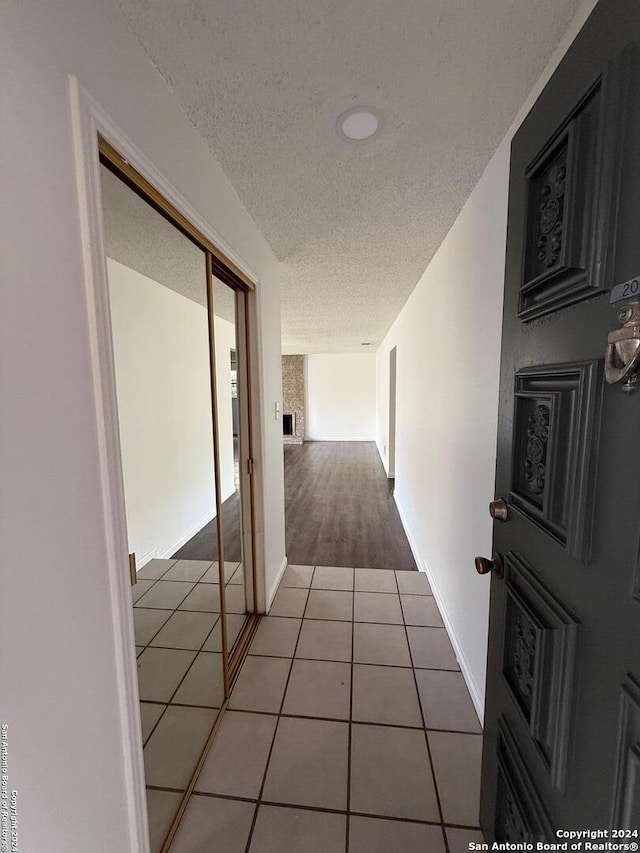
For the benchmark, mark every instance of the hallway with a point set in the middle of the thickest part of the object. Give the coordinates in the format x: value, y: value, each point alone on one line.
x: 349, y: 729
x: 333, y: 488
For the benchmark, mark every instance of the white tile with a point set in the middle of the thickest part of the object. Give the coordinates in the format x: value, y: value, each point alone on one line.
x: 456, y: 761
x: 185, y: 629
x: 385, y: 694
x: 376, y: 580
x: 160, y: 671
x: 289, y: 601
x: 421, y: 610
x: 413, y: 583
x: 431, y: 648
x: 318, y: 688
x: 154, y: 569
x: 161, y: 807
x: 446, y: 702
x: 212, y: 823
x: 260, y: 685
x: 391, y: 774
x: 187, y: 570
x: 380, y: 644
x: 330, y: 604
x: 297, y: 830
x: 276, y: 635
x: 166, y: 595
x: 324, y: 640
x: 376, y: 835
x: 308, y: 764
x: 173, y: 749
x: 332, y: 577
x: 299, y: 576
x: 236, y: 763
x: 379, y: 607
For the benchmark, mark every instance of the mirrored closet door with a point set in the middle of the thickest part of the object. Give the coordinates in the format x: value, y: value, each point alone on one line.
x: 178, y: 321
x: 235, y: 459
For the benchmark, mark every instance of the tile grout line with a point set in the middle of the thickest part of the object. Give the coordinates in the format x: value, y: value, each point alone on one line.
x: 260, y: 801
x: 163, y: 575
x: 154, y: 582
x: 332, y: 619
x: 372, y: 591
x: 137, y: 606
x: 426, y: 737
x: 195, y: 657
x: 353, y: 616
x: 337, y: 719
x: 275, y: 731
x: 360, y: 663
x: 197, y: 653
x: 175, y: 610
x: 322, y: 810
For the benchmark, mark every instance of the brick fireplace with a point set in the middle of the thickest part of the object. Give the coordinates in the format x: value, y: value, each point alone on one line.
x: 293, y: 399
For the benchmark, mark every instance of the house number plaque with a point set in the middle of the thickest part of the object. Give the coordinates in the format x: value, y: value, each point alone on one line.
x: 626, y: 290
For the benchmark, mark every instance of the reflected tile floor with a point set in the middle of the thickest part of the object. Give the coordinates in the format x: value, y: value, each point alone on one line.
x: 178, y: 646
x: 350, y: 727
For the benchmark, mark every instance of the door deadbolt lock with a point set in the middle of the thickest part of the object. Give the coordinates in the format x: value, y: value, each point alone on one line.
x: 622, y: 358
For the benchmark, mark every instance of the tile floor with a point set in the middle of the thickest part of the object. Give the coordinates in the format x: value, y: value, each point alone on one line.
x: 176, y: 616
x: 349, y: 730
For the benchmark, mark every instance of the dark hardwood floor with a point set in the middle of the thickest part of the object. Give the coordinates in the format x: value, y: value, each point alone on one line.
x: 204, y: 545
x: 339, y: 508
x: 339, y: 511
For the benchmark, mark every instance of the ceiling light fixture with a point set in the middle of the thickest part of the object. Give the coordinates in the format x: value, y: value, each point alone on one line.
x: 358, y: 124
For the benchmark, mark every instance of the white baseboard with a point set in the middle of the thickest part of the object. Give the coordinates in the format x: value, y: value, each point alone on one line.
x: 271, y: 593
x: 457, y: 648
x: 146, y: 558
x: 337, y: 438
x: 188, y: 535
x: 153, y: 553
x: 226, y: 495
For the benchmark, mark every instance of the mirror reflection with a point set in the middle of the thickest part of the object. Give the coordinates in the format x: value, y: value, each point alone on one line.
x: 160, y: 328
x: 231, y: 391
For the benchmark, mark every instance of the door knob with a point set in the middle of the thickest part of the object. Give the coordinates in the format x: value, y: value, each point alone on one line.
x: 484, y: 566
x: 498, y: 510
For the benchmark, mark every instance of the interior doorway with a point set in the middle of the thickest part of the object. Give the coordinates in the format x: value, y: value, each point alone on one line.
x: 391, y: 473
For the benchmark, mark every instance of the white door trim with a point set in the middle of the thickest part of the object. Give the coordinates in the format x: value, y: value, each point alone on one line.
x: 88, y: 120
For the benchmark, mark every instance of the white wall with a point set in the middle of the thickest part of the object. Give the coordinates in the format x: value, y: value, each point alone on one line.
x: 225, y: 335
x: 448, y: 354
x: 340, y: 392
x: 58, y: 668
x: 164, y: 411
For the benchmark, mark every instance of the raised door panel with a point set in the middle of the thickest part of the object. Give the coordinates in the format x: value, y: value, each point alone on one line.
x: 555, y: 420
x: 520, y: 813
x: 570, y: 186
x: 538, y: 664
x: 626, y: 808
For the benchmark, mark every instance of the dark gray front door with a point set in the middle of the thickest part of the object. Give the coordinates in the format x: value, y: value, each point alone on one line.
x: 562, y: 736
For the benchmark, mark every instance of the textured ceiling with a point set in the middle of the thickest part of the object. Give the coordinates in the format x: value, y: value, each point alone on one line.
x: 354, y: 223
x: 137, y: 236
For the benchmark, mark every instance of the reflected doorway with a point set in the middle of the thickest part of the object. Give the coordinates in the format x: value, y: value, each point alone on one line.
x: 178, y: 322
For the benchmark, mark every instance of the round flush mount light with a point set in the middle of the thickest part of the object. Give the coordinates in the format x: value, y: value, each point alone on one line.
x: 358, y: 124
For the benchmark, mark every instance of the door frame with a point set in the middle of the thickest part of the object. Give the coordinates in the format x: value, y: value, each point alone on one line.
x: 89, y: 122
x: 392, y: 414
